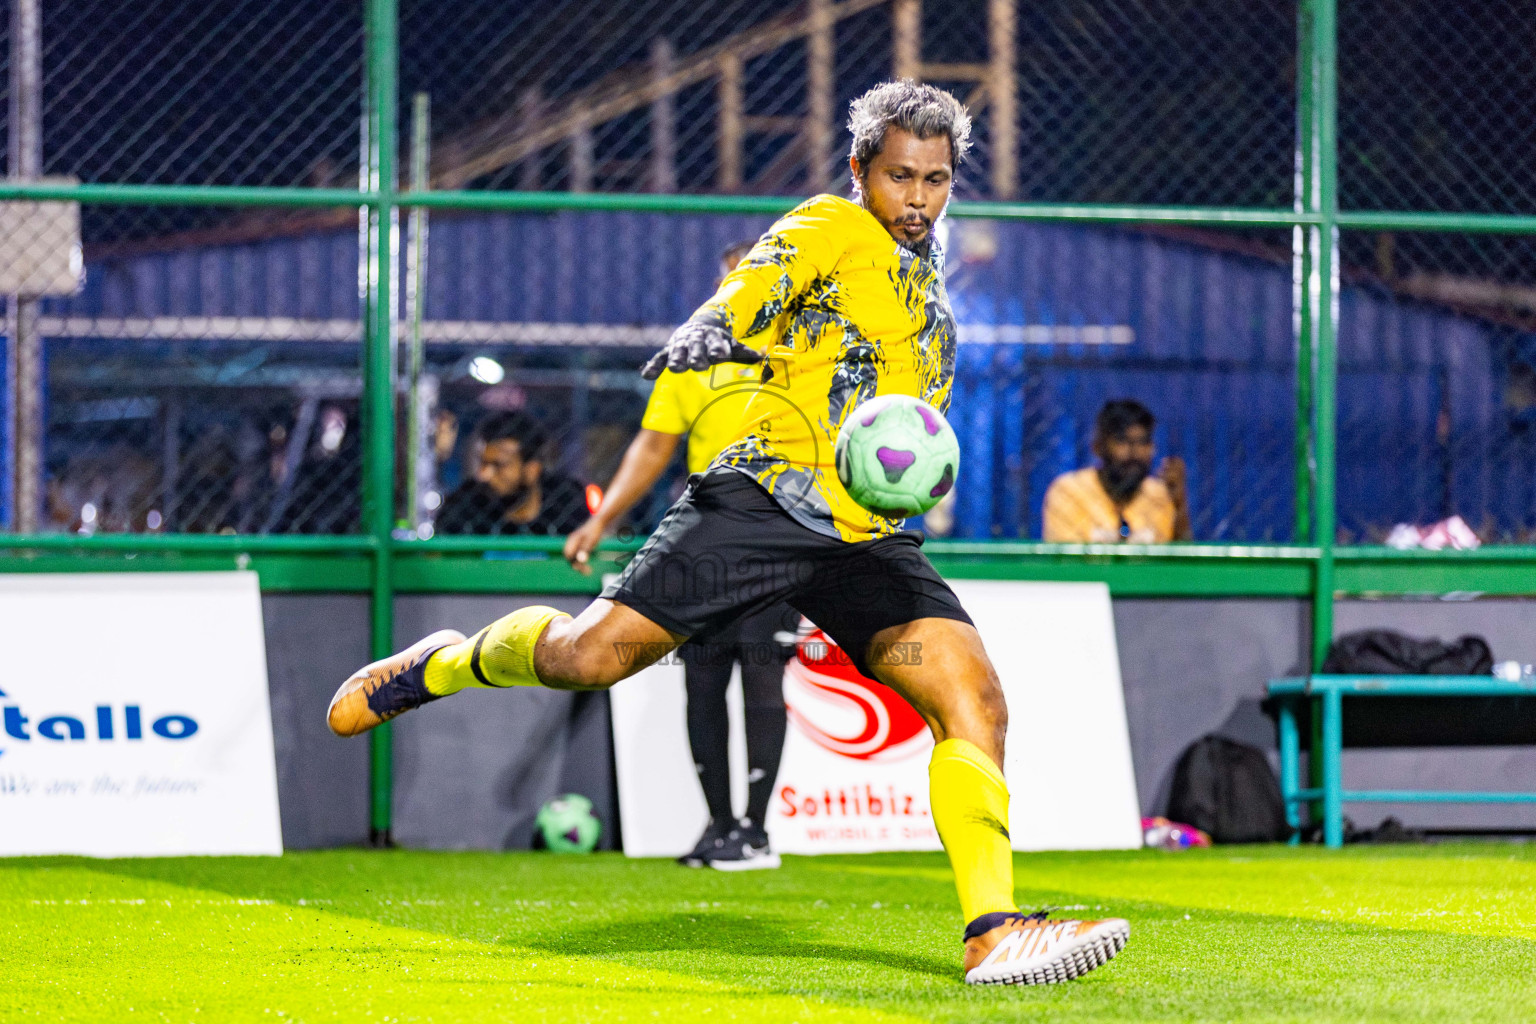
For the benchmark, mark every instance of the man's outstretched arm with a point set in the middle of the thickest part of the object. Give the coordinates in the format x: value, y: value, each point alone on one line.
x: 734, y: 325
x: 698, y: 345
x: 644, y: 461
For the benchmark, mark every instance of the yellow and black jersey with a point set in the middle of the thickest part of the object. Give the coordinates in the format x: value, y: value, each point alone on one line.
x: 707, y: 405
x: 842, y: 314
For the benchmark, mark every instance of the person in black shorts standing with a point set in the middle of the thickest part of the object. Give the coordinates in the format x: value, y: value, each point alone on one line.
x: 708, y: 407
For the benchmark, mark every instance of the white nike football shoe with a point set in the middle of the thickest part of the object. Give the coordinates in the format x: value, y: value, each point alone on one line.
x: 1030, y: 949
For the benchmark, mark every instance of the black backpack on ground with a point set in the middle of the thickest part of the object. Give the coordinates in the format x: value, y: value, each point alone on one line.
x: 1379, y: 652
x: 1228, y: 790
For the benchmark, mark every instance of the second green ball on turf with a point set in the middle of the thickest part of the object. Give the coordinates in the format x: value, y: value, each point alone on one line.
x: 567, y: 824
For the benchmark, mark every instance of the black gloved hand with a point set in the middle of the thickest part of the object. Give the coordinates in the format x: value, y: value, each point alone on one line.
x: 698, y: 346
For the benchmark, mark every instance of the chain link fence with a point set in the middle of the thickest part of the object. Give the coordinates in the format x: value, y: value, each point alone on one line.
x: 1055, y: 321
x: 1169, y: 101
x: 203, y: 373
x: 1437, y: 386
x: 196, y: 380
x: 1434, y: 106
x: 1436, y: 332
x: 240, y: 92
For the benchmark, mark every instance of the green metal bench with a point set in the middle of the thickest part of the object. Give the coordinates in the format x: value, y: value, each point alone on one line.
x: 1327, y: 695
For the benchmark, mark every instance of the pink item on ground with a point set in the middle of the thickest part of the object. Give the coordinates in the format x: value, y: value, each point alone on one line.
x: 1171, y: 835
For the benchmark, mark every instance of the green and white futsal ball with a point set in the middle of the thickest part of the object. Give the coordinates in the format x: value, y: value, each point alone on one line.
x: 897, y: 456
x: 567, y: 824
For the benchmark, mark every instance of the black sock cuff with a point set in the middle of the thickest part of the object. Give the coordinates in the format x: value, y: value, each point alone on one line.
x: 986, y: 922
x: 474, y: 658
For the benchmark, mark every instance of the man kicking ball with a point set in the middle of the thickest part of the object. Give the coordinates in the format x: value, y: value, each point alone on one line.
x: 839, y: 301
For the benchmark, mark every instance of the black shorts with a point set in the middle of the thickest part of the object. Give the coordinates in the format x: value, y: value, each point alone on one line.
x: 758, y: 638
x: 726, y: 550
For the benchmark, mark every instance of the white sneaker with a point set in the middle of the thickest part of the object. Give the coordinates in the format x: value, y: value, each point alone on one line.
x: 745, y: 849
x: 1020, y: 949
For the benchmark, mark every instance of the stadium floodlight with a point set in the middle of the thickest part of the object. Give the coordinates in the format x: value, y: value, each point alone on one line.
x: 486, y: 370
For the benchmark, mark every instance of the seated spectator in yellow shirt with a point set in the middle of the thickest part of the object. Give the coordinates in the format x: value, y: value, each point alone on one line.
x: 1119, y: 500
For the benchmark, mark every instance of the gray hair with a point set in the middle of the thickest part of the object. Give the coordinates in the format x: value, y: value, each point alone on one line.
x: 923, y: 110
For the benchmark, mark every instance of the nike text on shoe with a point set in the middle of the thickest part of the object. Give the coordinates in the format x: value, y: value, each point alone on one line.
x: 378, y: 692
x: 745, y: 849
x: 1028, y: 949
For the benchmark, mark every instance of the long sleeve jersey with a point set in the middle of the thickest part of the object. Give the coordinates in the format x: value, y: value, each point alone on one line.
x: 842, y: 314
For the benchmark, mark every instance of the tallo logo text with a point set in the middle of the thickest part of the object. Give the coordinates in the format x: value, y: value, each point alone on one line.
x: 110, y: 723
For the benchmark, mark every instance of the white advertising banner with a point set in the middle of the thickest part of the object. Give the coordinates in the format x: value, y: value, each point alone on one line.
x: 134, y: 717
x: 854, y: 776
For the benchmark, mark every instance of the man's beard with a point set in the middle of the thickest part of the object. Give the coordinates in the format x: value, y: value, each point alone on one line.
x: 922, y: 247
x: 1122, y: 480
x: 519, y: 494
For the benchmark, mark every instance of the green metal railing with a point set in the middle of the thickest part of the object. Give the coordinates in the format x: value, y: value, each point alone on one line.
x: 381, y: 565
x: 380, y: 121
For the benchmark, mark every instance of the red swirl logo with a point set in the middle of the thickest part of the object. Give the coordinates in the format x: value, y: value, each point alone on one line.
x: 843, y: 710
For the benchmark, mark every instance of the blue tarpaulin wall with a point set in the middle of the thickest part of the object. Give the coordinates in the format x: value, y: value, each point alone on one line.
x: 1211, y: 351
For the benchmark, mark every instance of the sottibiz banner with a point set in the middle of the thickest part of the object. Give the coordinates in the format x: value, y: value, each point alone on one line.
x: 854, y: 775
x: 855, y: 767
x: 135, y: 716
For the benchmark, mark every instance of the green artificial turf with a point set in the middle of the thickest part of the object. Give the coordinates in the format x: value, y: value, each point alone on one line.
x: 1440, y: 933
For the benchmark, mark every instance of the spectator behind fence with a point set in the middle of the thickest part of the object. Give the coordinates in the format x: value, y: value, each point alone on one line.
x: 511, y: 492
x: 1119, y: 500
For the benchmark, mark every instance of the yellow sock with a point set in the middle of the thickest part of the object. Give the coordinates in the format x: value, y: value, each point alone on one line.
x: 970, y: 809
x: 501, y: 654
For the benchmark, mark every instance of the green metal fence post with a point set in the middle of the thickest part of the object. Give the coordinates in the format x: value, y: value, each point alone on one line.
x: 378, y: 378
x: 1301, y: 269
x: 1325, y: 305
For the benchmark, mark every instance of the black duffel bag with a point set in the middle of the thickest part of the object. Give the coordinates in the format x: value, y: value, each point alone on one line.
x: 1382, y: 652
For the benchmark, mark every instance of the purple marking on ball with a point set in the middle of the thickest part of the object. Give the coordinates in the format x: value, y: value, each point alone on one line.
x: 895, y: 462
x: 945, y: 482
x: 870, y: 419
x: 933, y: 423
